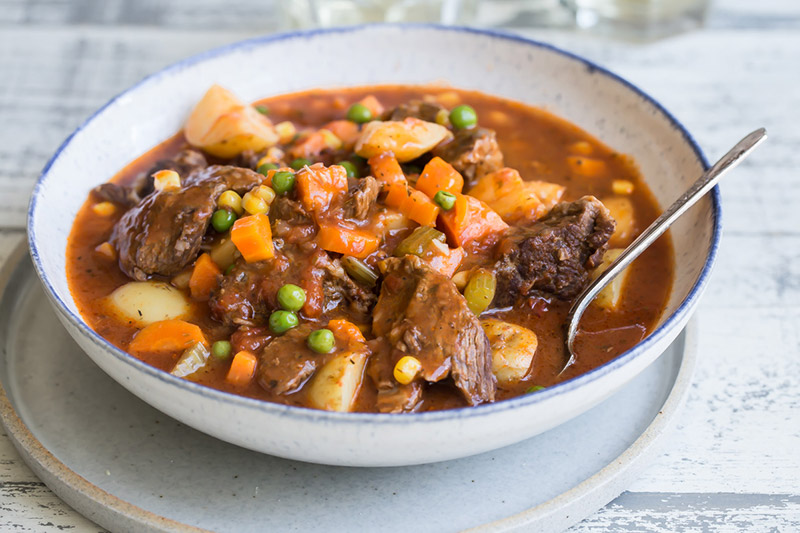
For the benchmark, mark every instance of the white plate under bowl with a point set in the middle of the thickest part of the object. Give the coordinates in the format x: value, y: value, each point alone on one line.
x: 128, y: 467
x: 507, y: 66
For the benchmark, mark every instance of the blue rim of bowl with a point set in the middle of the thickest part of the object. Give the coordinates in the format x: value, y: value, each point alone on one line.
x: 686, y: 306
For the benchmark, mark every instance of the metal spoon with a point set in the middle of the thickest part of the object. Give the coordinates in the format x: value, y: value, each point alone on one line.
x: 706, y: 182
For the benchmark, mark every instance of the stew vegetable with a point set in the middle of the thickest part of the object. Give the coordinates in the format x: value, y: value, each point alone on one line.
x: 388, y: 248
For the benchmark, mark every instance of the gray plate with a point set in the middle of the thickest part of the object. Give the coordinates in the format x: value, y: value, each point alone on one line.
x: 131, y: 468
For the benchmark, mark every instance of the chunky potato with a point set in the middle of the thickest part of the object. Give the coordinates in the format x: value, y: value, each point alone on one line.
x: 622, y: 210
x: 335, y: 385
x: 224, y: 126
x: 407, y: 139
x: 145, y: 302
x: 515, y: 199
x: 610, y: 297
x: 513, y: 348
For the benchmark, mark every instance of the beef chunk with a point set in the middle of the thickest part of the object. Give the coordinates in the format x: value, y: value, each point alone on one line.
x: 118, y: 194
x: 422, y: 110
x: 163, y: 233
x: 473, y: 152
x: 184, y: 163
x: 339, y: 288
x: 553, y: 255
x: 361, y: 198
x: 396, y: 398
x: 288, y: 210
x: 238, y: 301
x: 287, y: 362
x: 421, y: 313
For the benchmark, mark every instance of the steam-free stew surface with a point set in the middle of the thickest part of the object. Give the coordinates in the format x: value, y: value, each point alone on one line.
x: 534, y: 142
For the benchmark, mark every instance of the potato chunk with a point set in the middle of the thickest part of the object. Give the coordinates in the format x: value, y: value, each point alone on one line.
x: 515, y: 199
x: 610, y: 297
x: 224, y: 126
x: 407, y: 139
x: 334, y: 386
x: 145, y: 302
x: 513, y: 348
x: 622, y: 210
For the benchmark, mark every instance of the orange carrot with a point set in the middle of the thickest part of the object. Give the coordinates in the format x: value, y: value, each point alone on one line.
x: 346, y: 330
x: 347, y: 241
x: 385, y: 168
x: 372, y: 103
x: 167, y: 336
x: 242, y: 370
x: 469, y: 220
x: 586, y: 166
x: 446, y: 263
x: 252, y: 236
x: 439, y: 175
x: 204, y: 278
x: 420, y: 208
x: 346, y: 130
x: 318, y: 185
x: 398, y: 192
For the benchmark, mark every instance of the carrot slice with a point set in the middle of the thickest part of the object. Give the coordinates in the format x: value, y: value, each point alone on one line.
x: 586, y: 166
x: 243, y: 369
x: 439, y: 175
x: 204, y: 278
x: 446, y: 262
x: 347, y: 241
x: 172, y: 335
x: 385, y: 168
x: 318, y: 185
x: 420, y: 208
x: 346, y: 330
x: 346, y: 130
x: 469, y: 220
x: 372, y: 103
x: 252, y: 236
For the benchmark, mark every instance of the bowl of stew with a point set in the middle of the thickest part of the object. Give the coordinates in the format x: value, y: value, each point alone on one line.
x: 370, y: 263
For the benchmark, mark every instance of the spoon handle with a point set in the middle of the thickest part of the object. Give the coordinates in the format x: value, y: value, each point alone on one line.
x: 706, y: 182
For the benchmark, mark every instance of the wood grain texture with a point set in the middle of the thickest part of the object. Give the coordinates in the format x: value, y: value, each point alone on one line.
x: 733, y: 462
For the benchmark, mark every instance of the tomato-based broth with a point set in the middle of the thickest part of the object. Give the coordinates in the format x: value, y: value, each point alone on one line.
x: 320, y: 225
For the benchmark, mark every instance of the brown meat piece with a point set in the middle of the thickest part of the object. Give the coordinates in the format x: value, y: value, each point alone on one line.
x: 163, y: 233
x: 421, y: 313
x: 420, y: 109
x: 339, y: 288
x: 361, y: 198
x: 555, y: 254
x: 287, y: 362
x: 240, y: 298
x: 473, y: 152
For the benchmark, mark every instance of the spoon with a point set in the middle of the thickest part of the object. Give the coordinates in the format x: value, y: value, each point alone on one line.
x: 704, y: 184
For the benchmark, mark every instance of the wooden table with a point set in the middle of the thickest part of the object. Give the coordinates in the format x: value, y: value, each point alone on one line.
x: 733, y: 464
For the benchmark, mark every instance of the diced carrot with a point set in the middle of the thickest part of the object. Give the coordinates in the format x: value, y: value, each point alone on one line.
x: 346, y: 330
x: 346, y: 130
x: 252, y: 236
x: 167, y: 336
x: 586, y: 166
x: 243, y: 369
x: 347, y: 241
x: 446, y: 263
x: 398, y: 192
x: 385, y: 168
x: 470, y: 220
x: 372, y: 103
x: 204, y: 278
x: 420, y: 208
x: 439, y: 175
x: 315, y: 143
x: 317, y: 186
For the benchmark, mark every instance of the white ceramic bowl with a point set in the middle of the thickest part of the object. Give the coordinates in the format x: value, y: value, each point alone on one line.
x: 511, y: 67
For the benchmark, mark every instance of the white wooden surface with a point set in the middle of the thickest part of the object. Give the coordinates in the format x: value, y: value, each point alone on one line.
x: 734, y: 462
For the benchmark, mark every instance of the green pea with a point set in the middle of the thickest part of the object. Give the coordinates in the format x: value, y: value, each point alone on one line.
x: 266, y: 167
x: 283, y: 182
x: 352, y: 171
x: 359, y: 113
x: 321, y: 341
x: 282, y: 321
x: 221, y: 349
x: 291, y: 297
x: 222, y: 220
x: 463, y: 117
x: 264, y: 110
x: 535, y: 388
x: 299, y: 163
x: 445, y: 200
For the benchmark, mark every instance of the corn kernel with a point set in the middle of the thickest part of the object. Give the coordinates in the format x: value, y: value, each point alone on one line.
x: 461, y: 279
x: 286, y: 131
x: 581, y: 148
x: 166, y: 180
x: 264, y: 192
x: 254, y: 205
x: 622, y: 186
x: 331, y: 140
x: 106, y: 250
x: 232, y: 201
x: 104, y: 209
x: 407, y: 369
